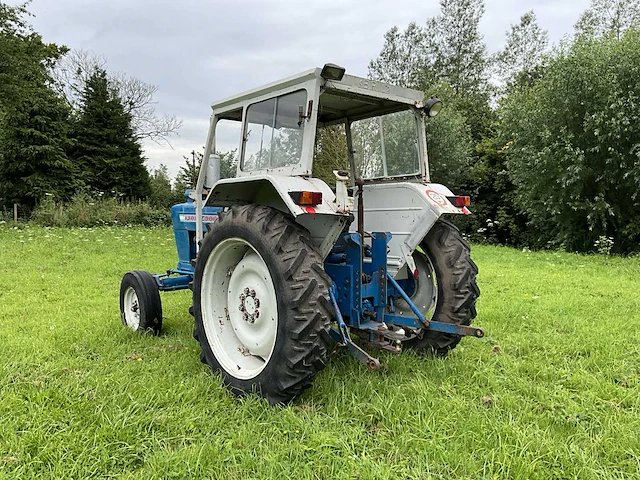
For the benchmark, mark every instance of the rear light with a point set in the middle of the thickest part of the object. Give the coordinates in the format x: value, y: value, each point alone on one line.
x: 306, y: 198
x: 460, y: 200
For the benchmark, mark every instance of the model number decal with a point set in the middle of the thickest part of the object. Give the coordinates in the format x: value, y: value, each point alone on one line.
x: 191, y: 217
x: 436, y: 198
x: 373, y: 85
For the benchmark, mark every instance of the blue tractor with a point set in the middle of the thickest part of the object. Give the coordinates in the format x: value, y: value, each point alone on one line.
x: 283, y: 267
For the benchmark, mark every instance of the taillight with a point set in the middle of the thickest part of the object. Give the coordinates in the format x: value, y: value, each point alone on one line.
x: 460, y: 200
x: 306, y: 198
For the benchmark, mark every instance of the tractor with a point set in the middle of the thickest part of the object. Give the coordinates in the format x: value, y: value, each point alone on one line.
x: 285, y: 267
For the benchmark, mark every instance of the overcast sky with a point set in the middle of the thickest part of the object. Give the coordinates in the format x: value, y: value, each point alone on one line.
x: 198, y: 51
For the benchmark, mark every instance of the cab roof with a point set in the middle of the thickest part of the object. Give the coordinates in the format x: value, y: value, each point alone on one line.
x: 351, y: 97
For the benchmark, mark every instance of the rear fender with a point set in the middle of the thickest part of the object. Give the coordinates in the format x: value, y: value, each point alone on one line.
x: 322, y: 221
x: 408, y: 210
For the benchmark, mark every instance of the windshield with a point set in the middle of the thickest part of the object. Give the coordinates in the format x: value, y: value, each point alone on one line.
x: 274, y: 132
x: 386, y: 146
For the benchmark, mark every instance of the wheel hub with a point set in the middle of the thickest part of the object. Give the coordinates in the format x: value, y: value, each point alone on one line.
x: 131, y: 309
x: 249, y: 304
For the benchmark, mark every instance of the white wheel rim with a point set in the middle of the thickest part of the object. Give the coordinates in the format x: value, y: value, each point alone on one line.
x: 131, y: 308
x: 425, y: 296
x: 239, y: 308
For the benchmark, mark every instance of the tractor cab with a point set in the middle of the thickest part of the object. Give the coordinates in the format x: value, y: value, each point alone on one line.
x: 363, y: 128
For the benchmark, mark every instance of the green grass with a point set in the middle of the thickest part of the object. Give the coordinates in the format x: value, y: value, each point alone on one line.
x: 552, y: 391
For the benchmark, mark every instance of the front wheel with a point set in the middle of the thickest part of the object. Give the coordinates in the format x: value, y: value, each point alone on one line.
x: 140, y: 305
x: 447, y: 288
x: 260, y: 301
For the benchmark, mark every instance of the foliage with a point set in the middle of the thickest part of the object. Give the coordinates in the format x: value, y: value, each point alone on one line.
x: 104, y: 145
x: 188, y: 174
x: 33, y: 120
x: 34, y: 142
x: 85, y: 210
x: 496, y: 216
x: 460, y: 55
x: 405, y: 58
x: 451, y: 150
x: 162, y: 195
x: 330, y: 153
x: 525, y: 49
x: 573, y: 148
x: 446, y: 54
x: 608, y: 17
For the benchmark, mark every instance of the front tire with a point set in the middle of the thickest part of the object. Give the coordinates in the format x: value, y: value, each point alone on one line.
x: 260, y: 301
x: 140, y: 305
x: 451, y: 285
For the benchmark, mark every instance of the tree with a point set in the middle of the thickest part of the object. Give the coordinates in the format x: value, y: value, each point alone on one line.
x: 446, y: 58
x: 448, y: 48
x: 34, y: 142
x: 33, y: 120
x: 405, y: 58
x: 525, y: 50
x: 573, y: 148
x: 162, y: 195
x: 104, y: 145
x: 460, y: 55
x: 496, y: 218
x: 77, y: 67
x: 188, y: 175
x: 330, y: 153
x: 461, y: 61
x: 451, y: 149
x: 608, y: 17
x: 228, y: 163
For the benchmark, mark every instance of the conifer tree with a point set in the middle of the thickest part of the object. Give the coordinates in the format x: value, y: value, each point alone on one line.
x: 33, y: 119
x: 104, y: 146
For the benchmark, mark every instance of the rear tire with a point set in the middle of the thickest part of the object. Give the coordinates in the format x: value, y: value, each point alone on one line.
x: 140, y: 304
x: 260, y: 301
x: 455, y: 278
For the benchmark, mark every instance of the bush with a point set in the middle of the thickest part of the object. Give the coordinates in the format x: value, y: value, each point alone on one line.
x: 573, y: 149
x: 89, y: 211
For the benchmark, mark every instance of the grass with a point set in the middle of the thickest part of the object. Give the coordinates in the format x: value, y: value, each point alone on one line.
x: 552, y: 391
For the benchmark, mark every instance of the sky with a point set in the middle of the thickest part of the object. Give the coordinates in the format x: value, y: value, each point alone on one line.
x: 199, y: 51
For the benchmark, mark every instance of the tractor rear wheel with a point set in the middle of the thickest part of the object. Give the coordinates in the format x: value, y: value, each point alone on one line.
x: 260, y: 302
x: 447, y: 288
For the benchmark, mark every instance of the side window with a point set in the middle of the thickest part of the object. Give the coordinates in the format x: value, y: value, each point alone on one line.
x: 227, y: 138
x: 273, y: 137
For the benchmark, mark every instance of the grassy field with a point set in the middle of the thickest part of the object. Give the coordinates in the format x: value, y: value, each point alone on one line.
x: 552, y: 391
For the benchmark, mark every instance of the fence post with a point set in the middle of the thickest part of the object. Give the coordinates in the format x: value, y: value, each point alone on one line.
x: 15, y: 213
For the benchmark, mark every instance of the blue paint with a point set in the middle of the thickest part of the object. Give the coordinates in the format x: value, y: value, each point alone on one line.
x: 183, y: 218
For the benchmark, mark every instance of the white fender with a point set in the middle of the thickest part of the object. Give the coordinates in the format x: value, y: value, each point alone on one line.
x: 408, y: 210
x: 324, y: 221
